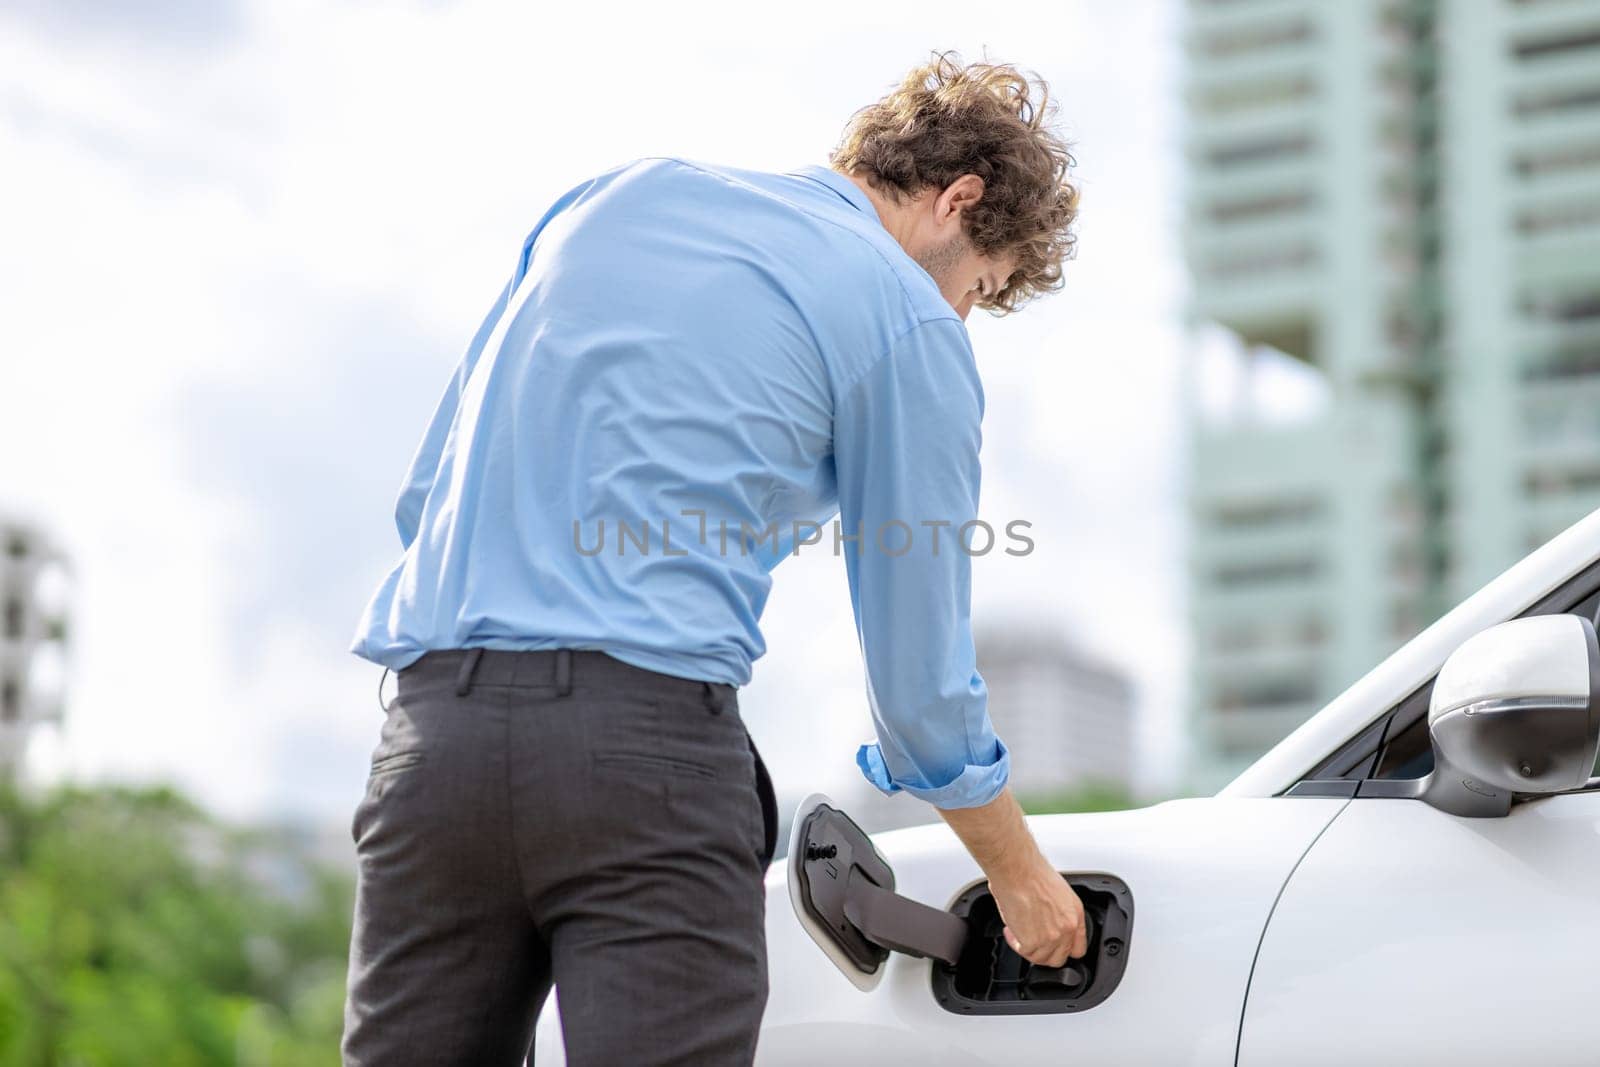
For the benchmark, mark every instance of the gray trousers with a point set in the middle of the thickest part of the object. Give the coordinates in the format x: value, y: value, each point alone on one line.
x: 539, y: 817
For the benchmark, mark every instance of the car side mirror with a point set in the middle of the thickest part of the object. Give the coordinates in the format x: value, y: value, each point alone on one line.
x: 1515, y: 710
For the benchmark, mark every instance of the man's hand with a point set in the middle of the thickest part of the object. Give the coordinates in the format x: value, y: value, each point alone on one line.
x: 1043, y: 916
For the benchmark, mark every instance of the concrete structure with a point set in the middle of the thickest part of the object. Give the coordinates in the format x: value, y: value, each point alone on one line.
x: 1067, y: 718
x: 33, y: 636
x: 1402, y: 196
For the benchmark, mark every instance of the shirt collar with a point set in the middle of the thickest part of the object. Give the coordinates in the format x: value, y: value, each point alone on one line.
x: 846, y: 188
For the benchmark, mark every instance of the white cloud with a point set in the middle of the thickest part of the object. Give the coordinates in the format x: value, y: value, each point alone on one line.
x: 245, y: 252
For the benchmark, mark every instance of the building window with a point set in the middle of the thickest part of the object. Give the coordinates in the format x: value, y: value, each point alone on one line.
x: 1227, y: 98
x: 1539, y: 483
x: 1265, y: 694
x: 1405, y: 620
x: 1266, y: 572
x: 1264, y: 261
x: 1311, y: 631
x: 1405, y: 564
x: 1544, y: 47
x: 1248, y: 515
x: 1260, y: 207
x: 1259, y: 150
x: 1559, y: 217
x: 1568, y: 307
x: 1556, y: 101
x: 1559, y: 158
x: 10, y: 701
x: 13, y: 619
x: 1576, y: 361
x: 1303, y: 635
x: 1255, y: 38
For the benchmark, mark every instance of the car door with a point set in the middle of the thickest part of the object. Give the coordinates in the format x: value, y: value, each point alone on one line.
x: 1410, y: 935
x: 1194, y: 879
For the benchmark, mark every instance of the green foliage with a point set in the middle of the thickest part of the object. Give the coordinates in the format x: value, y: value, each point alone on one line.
x: 134, y: 929
x: 1091, y: 797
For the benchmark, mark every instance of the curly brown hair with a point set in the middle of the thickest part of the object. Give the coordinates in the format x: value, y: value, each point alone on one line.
x: 946, y: 119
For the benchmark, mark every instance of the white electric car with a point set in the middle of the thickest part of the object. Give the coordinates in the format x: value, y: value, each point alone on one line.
x: 1411, y: 877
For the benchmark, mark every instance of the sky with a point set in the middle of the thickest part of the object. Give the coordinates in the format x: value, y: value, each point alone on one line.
x: 246, y: 244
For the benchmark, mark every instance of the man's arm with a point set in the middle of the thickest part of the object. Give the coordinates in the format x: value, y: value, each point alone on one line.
x: 1043, y: 916
x: 906, y: 441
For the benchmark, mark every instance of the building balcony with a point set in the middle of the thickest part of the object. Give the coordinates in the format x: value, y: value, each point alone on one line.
x: 1241, y: 464
x: 1572, y: 189
x: 1546, y: 514
x: 1208, y: 96
x: 1211, y: 604
x: 1530, y: 22
x: 1559, y: 257
x: 1250, y: 733
x: 1214, y: 546
x: 1554, y: 134
x: 1207, y: 184
x: 1242, y: 39
x: 1207, y: 242
x: 1208, y: 131
x: 1208, y: 15
x: 1574, y: 69
x: 1548, y: 346
x: 1277, y: 658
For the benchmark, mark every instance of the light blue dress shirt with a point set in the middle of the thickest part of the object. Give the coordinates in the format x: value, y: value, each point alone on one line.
x: 691, y: 371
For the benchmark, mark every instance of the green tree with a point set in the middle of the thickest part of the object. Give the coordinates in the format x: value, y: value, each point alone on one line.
x: 135, y: 929
x: 1093, y: 796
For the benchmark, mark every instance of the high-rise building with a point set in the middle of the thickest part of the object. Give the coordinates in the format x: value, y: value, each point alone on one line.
x: 33, y: 635
x: 1399, y: 199
x: 1066, y: 717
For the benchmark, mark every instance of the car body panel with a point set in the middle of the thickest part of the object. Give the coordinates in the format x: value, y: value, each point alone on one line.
x: 1408, y: 935
x: 1203, y: 874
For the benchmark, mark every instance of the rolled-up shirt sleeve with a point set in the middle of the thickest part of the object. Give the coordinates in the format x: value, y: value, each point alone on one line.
x: 906, y: 442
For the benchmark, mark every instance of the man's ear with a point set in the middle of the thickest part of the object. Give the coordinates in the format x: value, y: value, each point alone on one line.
x: 960, y: 195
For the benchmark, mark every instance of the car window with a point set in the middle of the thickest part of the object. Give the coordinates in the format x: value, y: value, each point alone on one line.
x: 1408, y: 755
x: 1396, y: 746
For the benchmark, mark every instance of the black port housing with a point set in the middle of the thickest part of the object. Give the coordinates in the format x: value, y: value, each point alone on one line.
x: 991, y: 979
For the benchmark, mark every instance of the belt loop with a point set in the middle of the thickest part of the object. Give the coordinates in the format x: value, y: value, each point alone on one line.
x: 711, y: 697
x: 469, y: 667
x: 563, y: 671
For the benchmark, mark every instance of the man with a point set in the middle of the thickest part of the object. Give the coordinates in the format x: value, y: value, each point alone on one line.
x: 691, y: 368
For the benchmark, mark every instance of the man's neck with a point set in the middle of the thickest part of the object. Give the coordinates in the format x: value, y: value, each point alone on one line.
x: 894, y: 215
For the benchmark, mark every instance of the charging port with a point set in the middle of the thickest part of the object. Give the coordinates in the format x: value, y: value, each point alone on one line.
x: 843, y: 893
x: 990, y: 979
